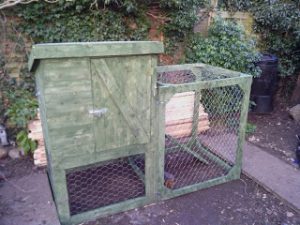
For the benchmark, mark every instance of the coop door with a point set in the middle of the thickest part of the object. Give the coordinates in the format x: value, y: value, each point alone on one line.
x: 121, y: 101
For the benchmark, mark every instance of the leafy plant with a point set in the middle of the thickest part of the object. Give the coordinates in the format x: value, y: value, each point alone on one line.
x: 250, y: 128
x: 182, y: 14
x: 22, y: 108
x: 278, y: 25
x: 226, y: 46
x: 75, y: 21
x: 25, y: 142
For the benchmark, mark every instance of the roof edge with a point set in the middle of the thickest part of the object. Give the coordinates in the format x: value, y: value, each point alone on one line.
x: 92, y: 49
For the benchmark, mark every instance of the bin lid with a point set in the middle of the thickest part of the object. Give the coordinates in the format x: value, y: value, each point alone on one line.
x: 266, y: 57
x: 92, y: 49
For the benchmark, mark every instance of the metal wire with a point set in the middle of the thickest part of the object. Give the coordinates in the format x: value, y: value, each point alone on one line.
x: 201, y: 132
x: 106, y: 183
x: 201, y: 136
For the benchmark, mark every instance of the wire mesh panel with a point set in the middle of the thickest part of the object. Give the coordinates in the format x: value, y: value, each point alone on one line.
x: 106, y: 183
x: 201, y: 130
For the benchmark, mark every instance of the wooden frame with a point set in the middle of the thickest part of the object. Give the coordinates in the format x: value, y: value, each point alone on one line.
x: 65, y: 62
x: 166, y: 91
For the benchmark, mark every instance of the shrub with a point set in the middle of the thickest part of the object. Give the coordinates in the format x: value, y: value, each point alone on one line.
x: 226, y: 46
x: 278, y: 25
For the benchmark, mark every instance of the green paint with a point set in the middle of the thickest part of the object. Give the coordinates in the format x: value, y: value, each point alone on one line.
x: 76, y: 79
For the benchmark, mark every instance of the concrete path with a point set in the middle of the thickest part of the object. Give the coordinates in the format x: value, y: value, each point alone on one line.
x: 273, y: 174
x: 32, y: 192
x: 27, y: 201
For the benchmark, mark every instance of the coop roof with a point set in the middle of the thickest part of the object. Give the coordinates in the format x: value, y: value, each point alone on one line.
x: 92, y: 49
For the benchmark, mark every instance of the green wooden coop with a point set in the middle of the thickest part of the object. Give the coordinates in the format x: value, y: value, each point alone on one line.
x: 121, y: 132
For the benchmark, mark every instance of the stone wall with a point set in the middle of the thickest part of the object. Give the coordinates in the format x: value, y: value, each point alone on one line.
x: 14, y: 48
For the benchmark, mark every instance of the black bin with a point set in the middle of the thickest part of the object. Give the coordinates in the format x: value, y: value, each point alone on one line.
x: 264, y: 87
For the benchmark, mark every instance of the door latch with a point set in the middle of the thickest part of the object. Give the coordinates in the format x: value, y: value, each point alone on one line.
x: 98, y: 112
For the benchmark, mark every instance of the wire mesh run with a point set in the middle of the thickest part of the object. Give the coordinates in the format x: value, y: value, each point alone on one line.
x: 107, y: 183
x: 201, y: 135
x: 176, y: 77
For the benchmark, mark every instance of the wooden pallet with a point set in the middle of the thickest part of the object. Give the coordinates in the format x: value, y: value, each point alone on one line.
x: 36, y: 133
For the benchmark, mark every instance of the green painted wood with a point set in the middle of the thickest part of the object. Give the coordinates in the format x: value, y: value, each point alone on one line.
x: 168, y: 193
x: 136, y: 169
x: 67, y: 106
x: 195, y: 117
x: 199, y: 85
x: 79, y: 77
x: 161, y: 114
x: 73, y: 161
x: 122, y: 87
x: 200, y: 69
x: 246, y: 87
x: 92, y: 49
x: 40, y: 94
x: 107, y: 210
x: 59, y: 188
x: 166, y: 91
x: 152, y: 158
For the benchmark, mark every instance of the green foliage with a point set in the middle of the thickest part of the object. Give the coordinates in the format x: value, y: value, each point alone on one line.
x: 250, y: 128
x: 235, y: 5
x: 222, y: 100
x: 76, y: 21
x: 22, y: 108
x: 17, y: 107
x: 226, y: 46
x: 279, y: 28
x: 183, y: 16
x: 25, y: 142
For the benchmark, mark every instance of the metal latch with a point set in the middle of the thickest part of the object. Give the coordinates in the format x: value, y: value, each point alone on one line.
x: 98, y: 112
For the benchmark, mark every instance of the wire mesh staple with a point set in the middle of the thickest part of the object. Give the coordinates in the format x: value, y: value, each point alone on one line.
x: 107, y: 183
x: 201, y: 134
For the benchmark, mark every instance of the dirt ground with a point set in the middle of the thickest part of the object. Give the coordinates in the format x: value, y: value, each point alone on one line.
x: 276, y: 132
x: 238, y: 202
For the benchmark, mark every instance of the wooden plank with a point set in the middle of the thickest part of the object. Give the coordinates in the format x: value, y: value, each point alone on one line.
x: 59, y: 188
x: 136, y: 169
x: 199, y: 85
x: 67, y: 108
x: 92, y: 49
x: 73, y: 161
x: 246, y: 87
x: 123, y: 105
x: 107, y: 210
x: 152, y: 166
x: 168, y: 193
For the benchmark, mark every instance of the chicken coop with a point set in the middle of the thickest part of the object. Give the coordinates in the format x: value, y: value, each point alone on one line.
x: 121, y: 132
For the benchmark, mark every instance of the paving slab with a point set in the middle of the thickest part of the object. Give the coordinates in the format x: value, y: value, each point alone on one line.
x: 273, y: 173
x: 27, y: 201
x: 269, y: 171
x: 30, y: 200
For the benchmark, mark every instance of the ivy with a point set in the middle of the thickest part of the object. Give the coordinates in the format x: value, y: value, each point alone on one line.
x: 76, y: 21
x: 183, y: 15
x: 279, y: 27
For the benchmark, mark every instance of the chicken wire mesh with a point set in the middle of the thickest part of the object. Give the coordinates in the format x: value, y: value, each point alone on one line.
x: 106, y: 183
x: 201, y: 131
